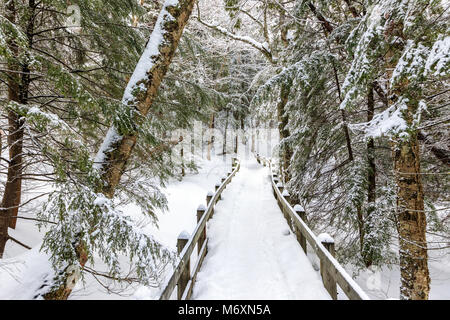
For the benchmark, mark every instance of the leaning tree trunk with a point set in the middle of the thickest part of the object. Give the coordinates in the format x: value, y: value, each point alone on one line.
x: 116, y: 152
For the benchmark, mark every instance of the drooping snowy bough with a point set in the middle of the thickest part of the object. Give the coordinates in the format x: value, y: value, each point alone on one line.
x: 139, y: 95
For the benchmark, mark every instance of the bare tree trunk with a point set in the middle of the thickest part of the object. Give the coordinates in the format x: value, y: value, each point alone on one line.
x: 183, y: 171
x: 411, y: 219
x: 244, y: 141
x: 253, y: 139
x: 18, y: 87
x: 283, y: 118
x: 257, y: 137
x: 352, y: 9
x: 371, y: 178
x: 328, y: 28
x: 211, y: 138
x: 119, y: 152
x: 224, y: 145
x: 13, y: 95
x: 412, y: 224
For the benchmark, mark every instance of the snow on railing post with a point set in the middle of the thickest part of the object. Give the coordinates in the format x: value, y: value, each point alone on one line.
x: 217, y: 186
x: 223, y: 179
x: 281, y: 188
x: 276, y: 180
x: 258, y: 159
x: 233, y: 162
x: 300, y: 237
x: 200, y: 212
x: 182, y: 240
x: 209, y: 197
x: 287, y: 196
x: 328, y: 280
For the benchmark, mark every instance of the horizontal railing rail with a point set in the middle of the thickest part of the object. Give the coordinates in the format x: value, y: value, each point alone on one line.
x: 181, y: 276
x: 330, y: 269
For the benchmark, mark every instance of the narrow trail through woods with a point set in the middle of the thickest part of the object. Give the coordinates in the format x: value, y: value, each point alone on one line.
x: 250, y: 253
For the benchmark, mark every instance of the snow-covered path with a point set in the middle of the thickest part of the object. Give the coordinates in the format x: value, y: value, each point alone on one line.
x: 249, y: 254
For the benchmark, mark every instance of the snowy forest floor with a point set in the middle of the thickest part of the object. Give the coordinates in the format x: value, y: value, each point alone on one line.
x: 249, y: 254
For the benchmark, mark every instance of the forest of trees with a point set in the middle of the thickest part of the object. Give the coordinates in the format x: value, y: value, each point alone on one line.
x: 358, y: 91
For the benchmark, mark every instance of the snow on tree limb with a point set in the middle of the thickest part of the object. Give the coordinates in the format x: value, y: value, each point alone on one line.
x: 143, y: 89
x: 262, y: 47
x: 119, y: 143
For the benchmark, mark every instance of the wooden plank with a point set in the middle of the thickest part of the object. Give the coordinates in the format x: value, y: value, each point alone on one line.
x: 329, y: 281
x: 186, y: 274
x: 190, y: 287
x: 202, y: 238
x: 186, y: 292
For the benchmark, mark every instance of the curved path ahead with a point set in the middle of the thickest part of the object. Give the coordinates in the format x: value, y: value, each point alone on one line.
x: 250, y: 253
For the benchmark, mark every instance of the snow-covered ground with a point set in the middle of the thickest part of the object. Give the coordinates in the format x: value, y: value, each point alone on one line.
x: 251, y: 253
x: 384, y: 283
x: 183, y: 197
x: 22, y: 271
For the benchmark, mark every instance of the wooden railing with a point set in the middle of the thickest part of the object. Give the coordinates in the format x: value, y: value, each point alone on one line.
x: 182, y: 278
x: 332, y: 272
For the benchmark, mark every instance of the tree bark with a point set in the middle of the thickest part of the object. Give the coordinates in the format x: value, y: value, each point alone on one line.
x: 371, y: 180
x: 117, y: 156
x: 116, y: 159
x: 412, y: 224
x: 18, y: 87
x: 224, y: 143
x: 411, y: 219
x: 183, y: 171
x: 328, y: 28
x: 351, y: 8
x: 283, y: 119
x: 211, y: 138
x: 253, y: 139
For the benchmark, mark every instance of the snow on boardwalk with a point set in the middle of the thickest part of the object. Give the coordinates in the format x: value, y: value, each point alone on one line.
x: 249, y: 254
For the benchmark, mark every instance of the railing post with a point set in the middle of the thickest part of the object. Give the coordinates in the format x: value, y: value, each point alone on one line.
x: 223, y: 179
x: 209, y: 197
x: 217, y: 186
x: 183, y: 239
x: 328, y: 281
x: 200, y: 212
x: 233, y: 162
x: 300, y: 237
x: 287, y: 196
x: 281, y: 188
x: 276, y: 180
